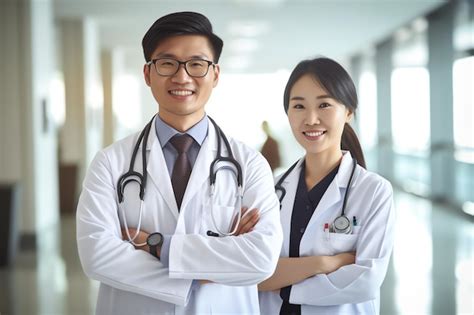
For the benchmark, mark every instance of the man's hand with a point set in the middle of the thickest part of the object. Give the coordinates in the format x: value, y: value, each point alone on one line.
x: 249, y: 219
x: 140, y: 239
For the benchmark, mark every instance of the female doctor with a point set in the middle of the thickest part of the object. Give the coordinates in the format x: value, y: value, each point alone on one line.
x: 335, y: 251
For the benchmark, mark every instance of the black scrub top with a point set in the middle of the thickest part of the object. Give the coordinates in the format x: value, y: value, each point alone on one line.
x: 303, y: 209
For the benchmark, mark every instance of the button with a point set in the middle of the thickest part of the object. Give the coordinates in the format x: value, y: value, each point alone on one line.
x: 302, y: 230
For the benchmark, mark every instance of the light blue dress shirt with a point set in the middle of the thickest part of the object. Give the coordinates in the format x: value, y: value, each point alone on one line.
x: 165, y: 132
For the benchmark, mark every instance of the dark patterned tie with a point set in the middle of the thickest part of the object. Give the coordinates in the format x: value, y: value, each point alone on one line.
x: 182, y: 166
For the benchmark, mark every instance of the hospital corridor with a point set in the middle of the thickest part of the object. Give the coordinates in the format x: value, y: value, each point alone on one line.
x: 73, y: 80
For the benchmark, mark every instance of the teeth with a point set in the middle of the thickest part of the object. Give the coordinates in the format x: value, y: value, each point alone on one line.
x: 314, y: 134
x: 181, y: 92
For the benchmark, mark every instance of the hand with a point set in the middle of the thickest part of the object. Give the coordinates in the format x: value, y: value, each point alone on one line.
x: 249, y: 219
x: 140, y: 239
x: 332, y: 263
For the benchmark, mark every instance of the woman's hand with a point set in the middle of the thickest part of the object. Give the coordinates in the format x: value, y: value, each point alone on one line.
x: 332, y: 263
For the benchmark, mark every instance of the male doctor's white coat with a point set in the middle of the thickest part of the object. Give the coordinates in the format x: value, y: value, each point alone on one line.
x: 133, y: 281
x: 355, y: 288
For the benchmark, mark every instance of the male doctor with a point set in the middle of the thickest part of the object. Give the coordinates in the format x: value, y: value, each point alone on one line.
x: 174, y: 264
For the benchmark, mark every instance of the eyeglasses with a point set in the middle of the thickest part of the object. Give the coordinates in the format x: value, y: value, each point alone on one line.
x: 167, y: 67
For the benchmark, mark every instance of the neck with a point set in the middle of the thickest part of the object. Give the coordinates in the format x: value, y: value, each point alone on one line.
x: 181, y: 123
x: 318, y: 165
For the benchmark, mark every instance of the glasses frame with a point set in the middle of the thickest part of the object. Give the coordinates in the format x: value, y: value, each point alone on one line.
x: 209, y: 64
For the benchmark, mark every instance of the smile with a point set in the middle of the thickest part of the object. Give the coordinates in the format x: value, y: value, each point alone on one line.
x: 181, y: 92
x: 313, y: 133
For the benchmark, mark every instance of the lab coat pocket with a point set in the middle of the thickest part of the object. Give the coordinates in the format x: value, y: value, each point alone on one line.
x: 217, y: 219
x: 341, y: 243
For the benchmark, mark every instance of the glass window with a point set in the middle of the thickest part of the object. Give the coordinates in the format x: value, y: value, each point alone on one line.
x: 411, y: 110
x: 463, y: 108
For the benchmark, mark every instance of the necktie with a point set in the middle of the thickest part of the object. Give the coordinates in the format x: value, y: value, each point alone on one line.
x: 182, y: 166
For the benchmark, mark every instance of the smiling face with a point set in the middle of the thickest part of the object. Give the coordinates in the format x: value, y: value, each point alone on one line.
x: 181, y: 98
x: 316, y: 119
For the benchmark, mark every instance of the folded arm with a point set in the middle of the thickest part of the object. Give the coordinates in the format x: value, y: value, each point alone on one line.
x: 240, y: 260
x: 105, y: 256
x: 361, y: 281
x: 291, y: 270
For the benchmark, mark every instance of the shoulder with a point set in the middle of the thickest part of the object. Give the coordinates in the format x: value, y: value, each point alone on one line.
x: 118, y: 152
x: 253, y: 164
x: 243, y: 152
x: 373, y: 182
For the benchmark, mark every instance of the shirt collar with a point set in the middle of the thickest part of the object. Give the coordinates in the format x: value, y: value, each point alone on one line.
x: 165, y: 132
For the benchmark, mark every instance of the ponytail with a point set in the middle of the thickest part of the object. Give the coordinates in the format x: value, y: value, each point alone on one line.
x: 350, y: 142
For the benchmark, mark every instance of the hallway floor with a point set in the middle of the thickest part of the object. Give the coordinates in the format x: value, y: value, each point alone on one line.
x: 431, y: 271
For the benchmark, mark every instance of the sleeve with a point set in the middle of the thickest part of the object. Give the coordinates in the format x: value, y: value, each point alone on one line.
x: 105, y: 257
x: 241, y: 260
x: 165, y: 250
x: 361, y: 281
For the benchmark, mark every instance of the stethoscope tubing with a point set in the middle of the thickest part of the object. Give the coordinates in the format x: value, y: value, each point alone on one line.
x: 342, y: 216
x: 141, y: 179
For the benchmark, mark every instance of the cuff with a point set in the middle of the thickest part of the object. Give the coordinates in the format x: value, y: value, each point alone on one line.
x: 165, y: 250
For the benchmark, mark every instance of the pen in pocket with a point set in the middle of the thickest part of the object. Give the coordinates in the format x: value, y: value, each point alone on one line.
x: 326, y: 230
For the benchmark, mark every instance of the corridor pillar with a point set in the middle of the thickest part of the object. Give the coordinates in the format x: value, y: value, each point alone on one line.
x: 383, y: 66
x: 440, y: 67
x: 81, y: 136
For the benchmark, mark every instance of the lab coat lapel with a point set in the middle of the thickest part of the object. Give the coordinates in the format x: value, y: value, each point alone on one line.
x: 200, y: 172
x: 290, y: 184
x: 335, y: 192
x: 158, y: 171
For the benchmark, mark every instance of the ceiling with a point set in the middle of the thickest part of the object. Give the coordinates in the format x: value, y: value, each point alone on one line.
x: 259, y: 35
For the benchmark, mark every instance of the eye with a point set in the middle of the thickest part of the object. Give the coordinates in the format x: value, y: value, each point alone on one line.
x: 197, y: 63
x: 166, y: 63
x: 298, y: 106
x: 324, y: 105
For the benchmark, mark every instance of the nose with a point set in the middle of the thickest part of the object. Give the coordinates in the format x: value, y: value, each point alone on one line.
x: 181, y: 76
x: 312, y: 118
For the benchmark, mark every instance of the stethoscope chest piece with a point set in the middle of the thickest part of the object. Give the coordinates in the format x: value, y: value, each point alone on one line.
x: 342, y: 225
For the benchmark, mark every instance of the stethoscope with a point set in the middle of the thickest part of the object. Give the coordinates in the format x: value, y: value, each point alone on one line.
x: 141, y: 179
x: 341, y: 224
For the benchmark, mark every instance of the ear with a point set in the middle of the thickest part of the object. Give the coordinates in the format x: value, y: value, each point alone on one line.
x: 217, y: 71
x: 146, y: 74
x: 349, y: 115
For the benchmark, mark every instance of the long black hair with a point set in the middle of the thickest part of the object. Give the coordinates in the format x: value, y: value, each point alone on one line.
x: 338, y: 84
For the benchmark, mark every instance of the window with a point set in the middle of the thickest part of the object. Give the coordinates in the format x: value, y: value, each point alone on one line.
x: 411, y: 110
x: 463, y: 108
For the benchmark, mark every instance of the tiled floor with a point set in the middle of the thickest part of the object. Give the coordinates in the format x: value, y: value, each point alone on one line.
x: 431, y: 270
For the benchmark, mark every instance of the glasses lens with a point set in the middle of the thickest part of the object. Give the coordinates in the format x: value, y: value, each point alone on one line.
x: 166, y: 67
x: 197, y: 67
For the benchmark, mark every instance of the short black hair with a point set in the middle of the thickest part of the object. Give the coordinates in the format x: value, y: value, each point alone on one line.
x: 180, y: 23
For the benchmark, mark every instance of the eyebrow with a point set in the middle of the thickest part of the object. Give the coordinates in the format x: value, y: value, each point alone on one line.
x: 174, y: 56
x: 300, y: 98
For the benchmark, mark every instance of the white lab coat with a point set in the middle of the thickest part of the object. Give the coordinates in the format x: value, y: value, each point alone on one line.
x: 352, y: 289
x: 135, y: 282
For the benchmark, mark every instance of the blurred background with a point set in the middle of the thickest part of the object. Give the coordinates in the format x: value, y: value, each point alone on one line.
x: 71, y: 83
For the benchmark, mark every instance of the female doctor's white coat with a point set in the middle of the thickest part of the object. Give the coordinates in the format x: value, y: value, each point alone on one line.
x: 135, y: 282
x: 352, y: 289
